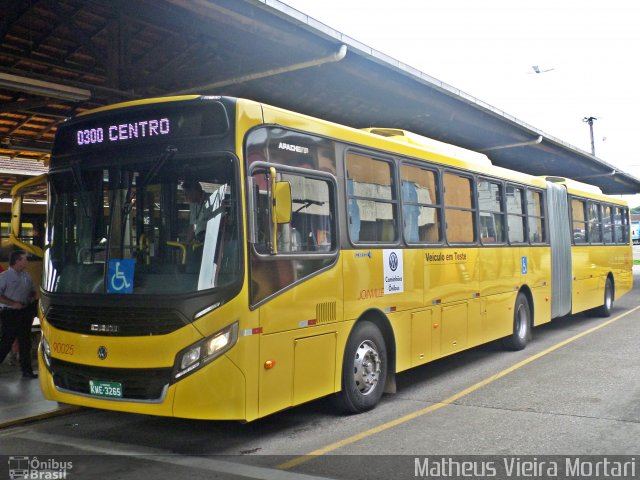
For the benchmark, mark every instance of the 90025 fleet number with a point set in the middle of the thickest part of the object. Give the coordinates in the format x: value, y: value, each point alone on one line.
x: 63, y: 348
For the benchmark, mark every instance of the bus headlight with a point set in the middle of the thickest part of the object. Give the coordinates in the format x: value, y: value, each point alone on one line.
x: 190, y: 357
x: 218, y: 343
x: 46, y: 351
x: 199, y: 354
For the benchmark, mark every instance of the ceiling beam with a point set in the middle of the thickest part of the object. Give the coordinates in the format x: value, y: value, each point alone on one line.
x: 25, y: 146
x: 19, y: 106
x: 66, y: 19
x: 12, y: 11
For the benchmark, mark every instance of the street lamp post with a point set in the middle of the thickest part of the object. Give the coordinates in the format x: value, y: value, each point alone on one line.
x: 590, y: 120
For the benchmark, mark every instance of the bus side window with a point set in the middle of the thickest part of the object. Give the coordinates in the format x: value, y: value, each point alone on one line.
x: 535, y: 217
x: 491, y: 212
x: 371, y: 199
x: 595, y: 222
x: 607, y: 223
x: 621, y: 225
x: 310, y: 229
x: 421, y: 209
x: 579, y: 221
x: 515, y: 214
x: 459, y: 208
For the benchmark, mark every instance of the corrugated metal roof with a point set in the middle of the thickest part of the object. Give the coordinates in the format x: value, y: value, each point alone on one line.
x: 28, y: 168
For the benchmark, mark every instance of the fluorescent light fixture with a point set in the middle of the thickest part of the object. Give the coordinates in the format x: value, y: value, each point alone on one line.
x: 45, y: 89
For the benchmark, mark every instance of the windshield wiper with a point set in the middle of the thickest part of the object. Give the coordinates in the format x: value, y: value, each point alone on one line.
x: 128, y: 202
x: 306, y: 203
x: 82, y: 189
x: 168, y: 153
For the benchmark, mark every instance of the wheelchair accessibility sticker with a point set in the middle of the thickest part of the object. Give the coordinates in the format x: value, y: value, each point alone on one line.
x: 121, y: 275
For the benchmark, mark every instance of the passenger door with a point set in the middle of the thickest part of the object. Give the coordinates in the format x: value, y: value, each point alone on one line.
x: 293, y: 283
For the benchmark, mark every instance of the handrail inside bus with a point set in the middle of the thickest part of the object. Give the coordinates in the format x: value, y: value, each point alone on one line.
x: 17, y: 193
x: 183, y: 248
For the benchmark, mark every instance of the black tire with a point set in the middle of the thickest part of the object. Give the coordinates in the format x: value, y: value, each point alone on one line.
x: 605, y: 309
x: 521, y: 325
x: 364, y: 370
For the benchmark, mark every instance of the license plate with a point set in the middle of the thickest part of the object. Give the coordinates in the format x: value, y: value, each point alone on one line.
x: 100, y: 388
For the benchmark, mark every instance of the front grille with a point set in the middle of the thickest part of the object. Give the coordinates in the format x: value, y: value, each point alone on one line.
x: 114, y: 321
x: 137, y: 384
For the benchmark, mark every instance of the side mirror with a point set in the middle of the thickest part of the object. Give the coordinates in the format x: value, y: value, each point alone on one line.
x: 282, y: 203
x: 280, y: 207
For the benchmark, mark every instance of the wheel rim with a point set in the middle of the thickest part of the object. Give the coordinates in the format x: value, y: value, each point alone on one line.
x: 522, y: 321
x: 366, y: 367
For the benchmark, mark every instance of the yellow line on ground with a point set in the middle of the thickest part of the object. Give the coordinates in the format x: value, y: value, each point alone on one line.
x: 393, y: 423
x: 58, y: 412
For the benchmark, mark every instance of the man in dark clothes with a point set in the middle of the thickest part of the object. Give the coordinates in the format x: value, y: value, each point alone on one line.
x: 17, y: 295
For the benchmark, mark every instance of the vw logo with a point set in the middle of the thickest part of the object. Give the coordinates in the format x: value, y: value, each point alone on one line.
x: 393, y: 261
x: 102, y: 352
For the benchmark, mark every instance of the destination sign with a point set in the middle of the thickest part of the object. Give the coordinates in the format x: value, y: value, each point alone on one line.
x: 154, y: 123
x: 124, y: 131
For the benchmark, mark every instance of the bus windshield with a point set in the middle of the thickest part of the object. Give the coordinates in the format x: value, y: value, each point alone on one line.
x: 166, y: 226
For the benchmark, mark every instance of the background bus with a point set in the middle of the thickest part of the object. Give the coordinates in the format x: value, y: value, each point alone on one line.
x: 333, y: 258
x: 635, y: 232
x: 31, y: 233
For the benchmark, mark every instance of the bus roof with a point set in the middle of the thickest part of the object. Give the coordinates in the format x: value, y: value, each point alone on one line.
x: 135, y: 103
x: 395, y: 140
x: 431, y: 144
x: 410, y: 145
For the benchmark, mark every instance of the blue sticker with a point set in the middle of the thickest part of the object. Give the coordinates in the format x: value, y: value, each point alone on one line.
x: 524, y: 265
x: 121, y: 275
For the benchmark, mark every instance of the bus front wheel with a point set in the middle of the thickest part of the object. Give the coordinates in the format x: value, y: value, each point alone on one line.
x: 521, y: 325
x: 364, y: 369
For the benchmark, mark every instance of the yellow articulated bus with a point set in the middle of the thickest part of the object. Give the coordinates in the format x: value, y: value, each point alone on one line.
x: 217, y: 258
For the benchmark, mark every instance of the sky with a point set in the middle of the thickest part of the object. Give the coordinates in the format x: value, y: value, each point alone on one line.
x: 487, y: 48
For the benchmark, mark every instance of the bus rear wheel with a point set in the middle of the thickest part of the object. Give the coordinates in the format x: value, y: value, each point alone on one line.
x: 364, y: 370
x: 604, y: 310
x: 521, y: 325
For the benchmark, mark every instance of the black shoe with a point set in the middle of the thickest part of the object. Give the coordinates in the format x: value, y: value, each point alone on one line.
x: 29, y: 375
